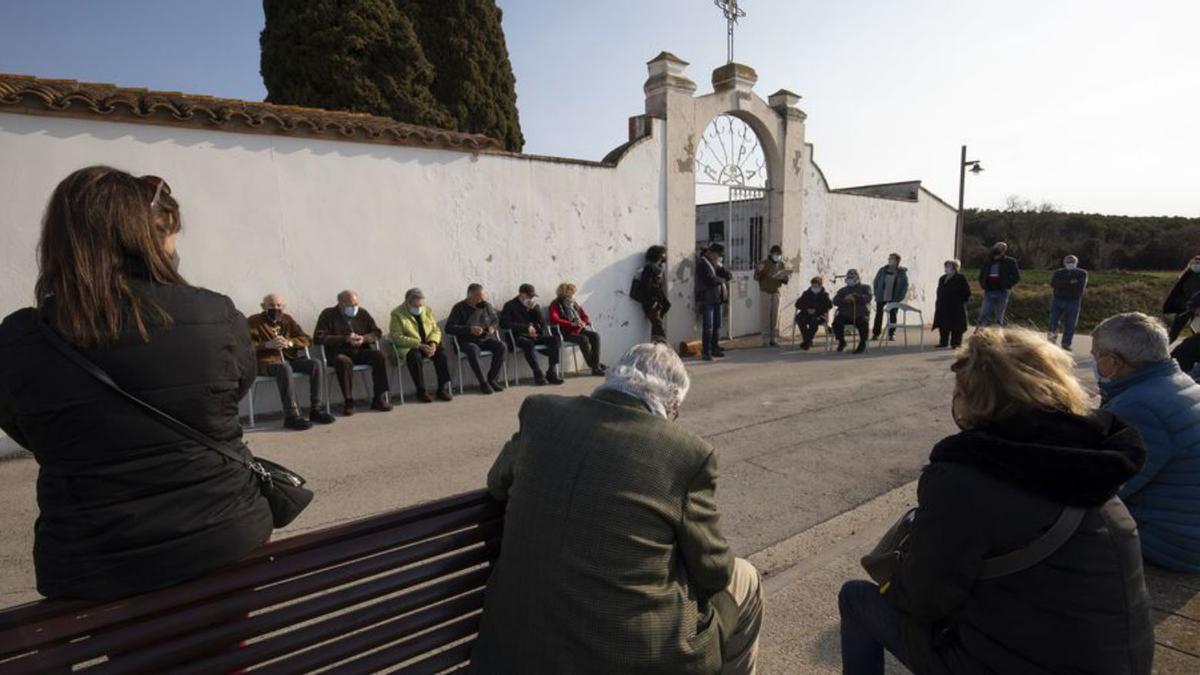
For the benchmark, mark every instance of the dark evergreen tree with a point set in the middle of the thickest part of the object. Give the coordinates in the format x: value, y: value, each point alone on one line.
x: 357, y: 55
x: 473, y: 78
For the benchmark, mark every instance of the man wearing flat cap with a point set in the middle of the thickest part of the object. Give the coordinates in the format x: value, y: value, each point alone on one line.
x: 523, y: 317
x: 417, y: 337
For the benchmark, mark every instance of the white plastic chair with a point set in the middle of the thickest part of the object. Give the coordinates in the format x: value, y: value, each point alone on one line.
x: 905, y: 310
x: 263, y: 379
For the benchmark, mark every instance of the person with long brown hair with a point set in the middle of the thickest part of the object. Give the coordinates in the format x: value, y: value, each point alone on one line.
x: 126, y: 504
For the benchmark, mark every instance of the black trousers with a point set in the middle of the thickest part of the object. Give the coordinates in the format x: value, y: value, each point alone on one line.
x: 474, y: 349
x: 552, y: 344
x: 589, y: 344
x: 344, y: 362
x: 282, y: 372
x: 1181, y: 321
x: 415, y: 361
x: 655, y: 314
x: 808, y: 325
x: 950, y: 338
x: 878, y: 327
x: 860, y: 323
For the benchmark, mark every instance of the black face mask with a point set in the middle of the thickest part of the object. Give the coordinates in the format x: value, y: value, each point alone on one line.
x: 274, y: 314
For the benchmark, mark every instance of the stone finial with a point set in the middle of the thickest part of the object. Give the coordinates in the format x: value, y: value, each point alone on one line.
x: 666, y: 76
x: 784, y: 102
x: 734, y: 76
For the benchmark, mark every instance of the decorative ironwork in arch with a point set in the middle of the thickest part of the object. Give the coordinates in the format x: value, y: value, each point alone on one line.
x: 730, y: 155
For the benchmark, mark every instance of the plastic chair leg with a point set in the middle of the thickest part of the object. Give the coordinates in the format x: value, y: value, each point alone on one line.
x: 252, y: 406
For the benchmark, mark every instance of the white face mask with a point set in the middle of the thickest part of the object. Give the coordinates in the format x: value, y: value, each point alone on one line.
x: 775, y: 257
x: 528, y: 302
x: 1195, y: 267
x: 415, y: 311
x: 815, y: 289
x: 720, y: 260
x: 350, y: 311
x: 1196, y: 325
x: 1070, y: 265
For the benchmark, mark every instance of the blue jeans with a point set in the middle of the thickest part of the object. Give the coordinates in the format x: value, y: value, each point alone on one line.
x: 869, y: 626
x: 711, y: 326
x: 992, y: 311
x: 1066, y: 310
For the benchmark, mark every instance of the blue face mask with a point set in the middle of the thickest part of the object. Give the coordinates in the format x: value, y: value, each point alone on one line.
x: 1099, y: 378
x: 415, y: 311
x: 351, y: 311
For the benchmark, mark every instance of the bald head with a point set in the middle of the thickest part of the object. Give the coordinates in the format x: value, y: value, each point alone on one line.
x: 348, y: 298
x: 273, y: 301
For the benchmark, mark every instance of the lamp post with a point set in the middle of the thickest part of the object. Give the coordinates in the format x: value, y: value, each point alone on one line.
x: 962, y: 181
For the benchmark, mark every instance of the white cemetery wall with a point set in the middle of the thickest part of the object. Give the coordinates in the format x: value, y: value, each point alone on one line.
x: 307, y: 217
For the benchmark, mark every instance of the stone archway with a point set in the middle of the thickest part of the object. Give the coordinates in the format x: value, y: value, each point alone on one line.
x: 779, y: 127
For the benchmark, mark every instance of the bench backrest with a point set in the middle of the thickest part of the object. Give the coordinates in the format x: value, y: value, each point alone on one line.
x: 410, y: 582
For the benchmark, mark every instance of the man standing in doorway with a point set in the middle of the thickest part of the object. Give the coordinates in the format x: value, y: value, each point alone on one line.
x: 891, y: 285
x: 771, y: 275
x: 997, y: 277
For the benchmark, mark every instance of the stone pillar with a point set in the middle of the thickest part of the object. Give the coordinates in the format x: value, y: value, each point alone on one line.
x: 787, y: 192
x: 669, y: 96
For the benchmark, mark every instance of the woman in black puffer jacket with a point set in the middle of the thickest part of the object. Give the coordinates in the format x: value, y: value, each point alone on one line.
x: 127, y: 505
x: 1029, y: 447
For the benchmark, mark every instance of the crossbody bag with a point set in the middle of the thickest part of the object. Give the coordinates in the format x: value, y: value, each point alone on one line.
x: 283, y: 489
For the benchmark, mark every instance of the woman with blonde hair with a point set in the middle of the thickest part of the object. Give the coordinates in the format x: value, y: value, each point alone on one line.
x: 573, y: 322
x: 1020, y: 558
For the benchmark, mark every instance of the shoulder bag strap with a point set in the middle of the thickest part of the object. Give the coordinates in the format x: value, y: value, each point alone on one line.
x: 1037, y: 550
x: 95, y: 371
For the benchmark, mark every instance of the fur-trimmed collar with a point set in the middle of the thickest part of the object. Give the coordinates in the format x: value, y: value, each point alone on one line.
x: 1071, y: 459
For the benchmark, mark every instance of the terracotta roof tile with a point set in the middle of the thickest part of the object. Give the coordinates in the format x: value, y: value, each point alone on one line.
x: 22, y: 93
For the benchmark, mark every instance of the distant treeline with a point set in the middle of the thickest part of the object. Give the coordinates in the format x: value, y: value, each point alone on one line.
x: 1039, y: 235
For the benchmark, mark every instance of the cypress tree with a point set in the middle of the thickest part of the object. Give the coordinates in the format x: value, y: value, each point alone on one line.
x: 357, y: 55
x: 473, y: 77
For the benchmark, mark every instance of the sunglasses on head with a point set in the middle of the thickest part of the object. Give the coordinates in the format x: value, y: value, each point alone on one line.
x: 160, y: 186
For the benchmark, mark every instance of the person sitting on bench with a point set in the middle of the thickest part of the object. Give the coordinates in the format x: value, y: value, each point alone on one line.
x: 812, y: 311
x: 612, y: 559
x: 997, y: 575
x: 853, y: 302
x: 417, y: 337
x: 477, y: 326
x: 279, y: 343
x: 350, y: 335
x: 523, y: 317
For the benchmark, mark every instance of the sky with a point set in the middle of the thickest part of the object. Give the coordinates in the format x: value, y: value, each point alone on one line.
x: 1092, y: 105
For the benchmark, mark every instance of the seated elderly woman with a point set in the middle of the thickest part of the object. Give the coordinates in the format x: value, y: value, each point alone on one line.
x: 570, y: 318
x: 622, y: 568
x: 1141, y: 384
x: 998, y: 574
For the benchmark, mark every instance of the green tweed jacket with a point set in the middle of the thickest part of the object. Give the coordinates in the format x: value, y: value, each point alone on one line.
x: 611, y: 549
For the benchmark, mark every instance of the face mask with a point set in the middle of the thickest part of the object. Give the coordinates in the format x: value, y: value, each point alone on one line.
x: 1070, y: 265
x: 893, y: 263
x: 1195, y: 267
x: 175, y: 261
x: 776, y: 257
x: 815, y: 289
x: 1196, y: 325
x: 851, y: 281
x: 528, y: 302
x: 720, y: 260
x: 662, y: 263
x: 274, y: 314
x: 415, y: 311
x: 351, y: 311
x: 1099, y: 378
x: 949, y: 271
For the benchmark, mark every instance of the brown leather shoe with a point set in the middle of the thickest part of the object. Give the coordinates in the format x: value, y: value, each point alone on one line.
x: 444, y: 392
x: 382, y: 404
x: 348, y: 409
x: 425, y: 397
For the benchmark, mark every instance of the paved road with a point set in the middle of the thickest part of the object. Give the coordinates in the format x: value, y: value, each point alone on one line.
x: 803, y: 437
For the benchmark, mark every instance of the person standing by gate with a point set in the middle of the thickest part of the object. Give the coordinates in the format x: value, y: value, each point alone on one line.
x: 651, y: 289
x: 997, y: 277
x: 711, y: 293
x: 1068, y: 285
x: 771, y: 275
x: 891, y: 285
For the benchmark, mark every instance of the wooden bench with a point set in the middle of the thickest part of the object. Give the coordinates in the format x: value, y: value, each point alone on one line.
x: 402, y: 589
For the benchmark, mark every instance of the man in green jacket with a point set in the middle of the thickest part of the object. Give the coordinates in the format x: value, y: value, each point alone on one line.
x: 612, y: 560
x: 418, y: 338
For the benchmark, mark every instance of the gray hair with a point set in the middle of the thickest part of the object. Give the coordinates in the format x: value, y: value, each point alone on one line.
x: 1139, y: 340
x: 654, y: 374
x: 1071, y: 258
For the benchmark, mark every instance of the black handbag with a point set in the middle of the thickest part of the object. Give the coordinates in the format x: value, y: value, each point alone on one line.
x: 283, y: 489
x: 882, y: 561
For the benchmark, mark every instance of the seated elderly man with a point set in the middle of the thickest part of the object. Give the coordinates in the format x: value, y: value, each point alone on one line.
x: 351, y: 337
x: 523, y: 317
x: 622, y: 568
x: 1142, y: 385
x: 477, y: 326
x: 417, y: 337
x: 279, y: 344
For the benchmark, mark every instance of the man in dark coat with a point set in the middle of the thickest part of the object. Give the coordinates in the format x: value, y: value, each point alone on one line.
x: 890, y: 285
x: 1185, y: 287
x: 351, y: 337
x: 612, y: 560
x: 1067, y: 285
x: 523, y: 317
x: 476, y: 325
x: 812, y: 311
x: 997, y: 277
x: 712, y: 291
x: 652, y: 288
x: 950, y: 310
x: 853, y: 302
x: 127, y: 505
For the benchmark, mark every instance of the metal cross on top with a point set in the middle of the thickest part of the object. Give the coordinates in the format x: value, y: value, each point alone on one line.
x: 732, y: 14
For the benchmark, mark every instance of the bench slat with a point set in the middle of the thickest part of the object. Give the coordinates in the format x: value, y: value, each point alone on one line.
x: 413, y: 647
x: 458, y: 655
x: 131, y: 636
x: 219, y: 639
x: 239, y: 578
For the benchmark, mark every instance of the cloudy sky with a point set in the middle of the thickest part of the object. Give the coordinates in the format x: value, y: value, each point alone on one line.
x: 1093, y: 105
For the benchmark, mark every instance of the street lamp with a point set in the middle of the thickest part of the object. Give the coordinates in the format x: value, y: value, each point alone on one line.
x: 962, y: 180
